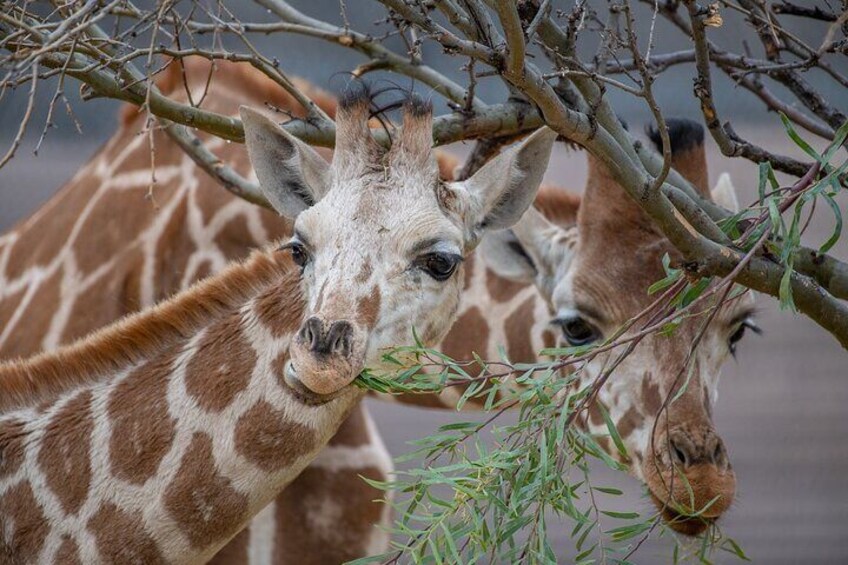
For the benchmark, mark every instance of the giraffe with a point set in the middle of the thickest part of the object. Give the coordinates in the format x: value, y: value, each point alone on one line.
x: 594, y: 273
x: 80, y: 263
x: 156, y: 439
x: 107, y: 245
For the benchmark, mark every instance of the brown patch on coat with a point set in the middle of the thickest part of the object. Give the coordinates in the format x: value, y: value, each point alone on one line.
x: 596, y: 417
x: 280, y: 309
x: 368, y: 308
x: 11, y: 447
x: 308, y: 535
x: 134, y: 546
x: 221, y: 365
x: 68, y: 552
x: 34, y: 322
x: 354, y: 431
x: 519, y: 344
x: 235, y: 552
x: 123, y: 284
x: 549, y: 339
x: 651, y: 398
x: 631, y: 420
x: 118, y: 213
x: 204, y: 270
x: 469, y: 333
x: 142, y: 428
x: 145, y: 334
x: 365, y: 274
x: 23, y: 526
x: 235, y: 240
x: 558, y: 206
x: 267, y: 438
x: 692, y: 164
x: 501, y: 289
x: 46, y: 233
x: 8, y: 306
x: 65, y: 452
x: 173, y: 249
x: 202, y: 502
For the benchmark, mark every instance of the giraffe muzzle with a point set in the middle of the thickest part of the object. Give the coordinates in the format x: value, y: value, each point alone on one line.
x: 324, y: 357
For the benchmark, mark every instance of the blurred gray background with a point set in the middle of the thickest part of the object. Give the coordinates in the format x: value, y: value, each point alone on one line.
x: 783, y: 406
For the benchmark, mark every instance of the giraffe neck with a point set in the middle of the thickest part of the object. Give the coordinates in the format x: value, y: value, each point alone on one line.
x: 167, y: 456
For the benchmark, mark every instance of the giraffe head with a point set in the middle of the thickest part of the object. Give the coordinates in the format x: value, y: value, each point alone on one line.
x: 595, y: 277
x: 379, y: 238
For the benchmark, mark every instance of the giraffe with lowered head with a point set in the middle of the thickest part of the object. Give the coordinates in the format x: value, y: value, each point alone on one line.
x: 158, y: 438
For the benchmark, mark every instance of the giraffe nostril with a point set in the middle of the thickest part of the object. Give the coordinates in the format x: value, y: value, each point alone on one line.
x: 719, y: 456
x: 340, y: 338
x: 679, y: 455
x: 311, y: 332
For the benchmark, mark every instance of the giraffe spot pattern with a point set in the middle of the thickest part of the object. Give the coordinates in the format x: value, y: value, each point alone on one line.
x: 68, y: 553
x: 91, y: 311
x: 651, y: 398
x: 142, y: 429
x: 368, y: 308
x: 118, y: 213
x: 235, y: 552
x: 221, y: 366
x: 322, y: 515
x: 265, y: 437
x: 11, y: 447
x: 35, y: 320
x: 22, y: 525
x: 135, y: 546
x: 501, y: 289
x: 173, y: 250
x: 518, y: 325
x: 235, y: 240
x: 203, y: 503
x: 276, y: 309
x: 65, y: 452
x: 469, y: 333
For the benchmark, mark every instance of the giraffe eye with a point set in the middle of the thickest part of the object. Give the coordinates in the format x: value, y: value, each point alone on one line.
x: 577, y: 331
x: 298, y: 252
x: 440, y: 266
x: 736, y: 336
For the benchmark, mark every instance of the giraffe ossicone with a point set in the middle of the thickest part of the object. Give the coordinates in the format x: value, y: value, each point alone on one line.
x: 167, y: 432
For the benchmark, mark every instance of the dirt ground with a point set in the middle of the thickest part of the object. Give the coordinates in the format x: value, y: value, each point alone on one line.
x: 782, y: 411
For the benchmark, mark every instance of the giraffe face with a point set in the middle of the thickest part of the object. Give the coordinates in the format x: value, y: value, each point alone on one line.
x: 595, y: 277
x: 379, y: 238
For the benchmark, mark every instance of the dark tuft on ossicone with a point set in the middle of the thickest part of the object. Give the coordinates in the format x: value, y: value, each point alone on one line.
x: 416, y: 106
x: 683, y: 134
x: 357, y: 94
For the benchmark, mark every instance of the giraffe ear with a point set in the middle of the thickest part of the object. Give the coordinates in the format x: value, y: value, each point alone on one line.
x: 504, y: 188
x: 534, y: 250
x: 292, y: 175
x: 724, y: 193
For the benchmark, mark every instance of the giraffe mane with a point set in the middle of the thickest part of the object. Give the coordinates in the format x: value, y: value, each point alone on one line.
x: 139, y: 336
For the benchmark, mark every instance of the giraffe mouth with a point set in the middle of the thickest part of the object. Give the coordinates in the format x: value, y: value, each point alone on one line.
x: 300, y: 391
x: 680, y: 523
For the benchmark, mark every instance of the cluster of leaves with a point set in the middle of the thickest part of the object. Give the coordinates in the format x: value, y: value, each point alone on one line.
x: 484, y: 491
